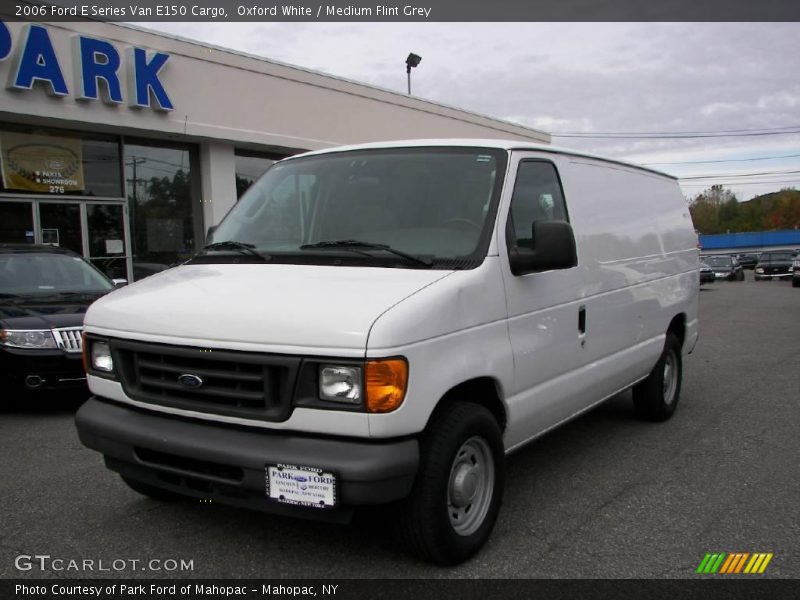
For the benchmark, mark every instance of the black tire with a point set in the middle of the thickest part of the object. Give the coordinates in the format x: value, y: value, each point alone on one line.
x: 152, y: 492
x: 452, y: 450
x: 795, y: 281
x: 655, y: 399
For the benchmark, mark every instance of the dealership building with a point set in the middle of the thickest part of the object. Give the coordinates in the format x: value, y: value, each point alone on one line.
x: 126, y: 145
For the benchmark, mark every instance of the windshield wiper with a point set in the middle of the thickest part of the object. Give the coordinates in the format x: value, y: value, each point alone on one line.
x: 356, y: 244
x: 242, y: 247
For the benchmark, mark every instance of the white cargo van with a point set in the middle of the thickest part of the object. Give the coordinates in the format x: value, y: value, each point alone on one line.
x: 382, y: 324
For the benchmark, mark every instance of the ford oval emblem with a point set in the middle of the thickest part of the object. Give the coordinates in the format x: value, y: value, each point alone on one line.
x: 190, y: 381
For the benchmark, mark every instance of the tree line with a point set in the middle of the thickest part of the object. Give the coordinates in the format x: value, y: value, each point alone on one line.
x: 718, y: 210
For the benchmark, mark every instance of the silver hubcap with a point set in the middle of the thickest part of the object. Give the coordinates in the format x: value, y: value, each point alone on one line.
x: 670, y: 377
x: 469, y: 491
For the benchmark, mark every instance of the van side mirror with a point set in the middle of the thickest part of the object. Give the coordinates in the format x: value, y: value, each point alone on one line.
x: 210, y: 233
x: 553, y: 248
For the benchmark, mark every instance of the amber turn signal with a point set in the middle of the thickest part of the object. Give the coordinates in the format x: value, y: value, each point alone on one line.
x: 386, y: 384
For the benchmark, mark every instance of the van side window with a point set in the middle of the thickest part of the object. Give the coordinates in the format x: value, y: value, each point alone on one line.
x: 537, y: 197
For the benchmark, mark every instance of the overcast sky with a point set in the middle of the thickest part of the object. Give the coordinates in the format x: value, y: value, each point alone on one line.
x: 576, y: 77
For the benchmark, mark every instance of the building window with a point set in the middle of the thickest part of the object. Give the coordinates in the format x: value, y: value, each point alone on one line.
x: 160, y: 189
x: 249, y: 167
x: 16, y: 222
x: 58, y: 163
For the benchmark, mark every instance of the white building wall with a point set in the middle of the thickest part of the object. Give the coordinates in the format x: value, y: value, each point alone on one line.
x: 227, y: 96
x: 225, y: 100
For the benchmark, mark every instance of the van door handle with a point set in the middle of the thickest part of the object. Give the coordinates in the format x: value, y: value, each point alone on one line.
x: 582, y: 320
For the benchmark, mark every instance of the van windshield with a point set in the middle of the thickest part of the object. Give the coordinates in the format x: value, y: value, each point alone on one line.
x: 383, y: 207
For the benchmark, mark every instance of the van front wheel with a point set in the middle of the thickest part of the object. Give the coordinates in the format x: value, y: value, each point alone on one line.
x: 656, y: 398
x: 456, y: 497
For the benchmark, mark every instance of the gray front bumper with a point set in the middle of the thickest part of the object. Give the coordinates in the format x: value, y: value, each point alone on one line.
x: 227, y: 464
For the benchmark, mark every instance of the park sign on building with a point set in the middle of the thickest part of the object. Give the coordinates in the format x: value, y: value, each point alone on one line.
x: 34, y: 63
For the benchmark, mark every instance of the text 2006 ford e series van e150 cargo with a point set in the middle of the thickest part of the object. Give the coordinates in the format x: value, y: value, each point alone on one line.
x: 382, y: 324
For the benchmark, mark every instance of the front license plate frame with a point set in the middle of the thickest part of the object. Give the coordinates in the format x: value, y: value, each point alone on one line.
x: 301, y: 485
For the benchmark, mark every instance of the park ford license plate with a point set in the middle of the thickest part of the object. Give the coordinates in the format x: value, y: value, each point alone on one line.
x: 301, y: 486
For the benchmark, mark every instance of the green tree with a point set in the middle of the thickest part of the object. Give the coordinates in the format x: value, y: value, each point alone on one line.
x: 729, y: 214
x: 751, y: 216
x: 708, y: 213
x: 784, y: 210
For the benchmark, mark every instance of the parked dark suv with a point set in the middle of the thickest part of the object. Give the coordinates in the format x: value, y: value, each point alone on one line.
x: 776, y: 264
x: 725, y: 267
x: 748, y: 261
x: 706, y: 274
x: 44, y: 293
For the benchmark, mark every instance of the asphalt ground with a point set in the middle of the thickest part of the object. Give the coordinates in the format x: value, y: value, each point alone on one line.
x: 605, y: 496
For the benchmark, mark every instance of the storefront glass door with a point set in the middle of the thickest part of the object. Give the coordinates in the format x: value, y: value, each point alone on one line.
x: 95, y: 230
x: 106, y: 239
x: 60, y: 225
x: 16, y: 222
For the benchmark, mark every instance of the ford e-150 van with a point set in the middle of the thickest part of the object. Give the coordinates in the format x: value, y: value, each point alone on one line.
x: 382, y: 324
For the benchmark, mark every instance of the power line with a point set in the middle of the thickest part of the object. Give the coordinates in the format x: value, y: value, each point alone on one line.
x: 703, y: 162
x: 738, y: 183
x: 792, y: 129
x: 730, y: 175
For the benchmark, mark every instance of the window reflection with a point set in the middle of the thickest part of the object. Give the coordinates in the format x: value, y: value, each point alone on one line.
x: 106, y: 229
x: 159, y: 190
x: 16, y: 222
x: 250, y: 167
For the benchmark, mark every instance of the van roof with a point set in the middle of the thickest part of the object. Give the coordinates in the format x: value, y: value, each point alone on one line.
x: 481, y: 143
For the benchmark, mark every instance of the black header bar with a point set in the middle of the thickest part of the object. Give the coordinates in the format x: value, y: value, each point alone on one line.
x: 403, y: 10
x: 702, y: 588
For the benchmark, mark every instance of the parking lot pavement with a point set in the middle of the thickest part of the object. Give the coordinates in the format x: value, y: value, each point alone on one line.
x: 605, y: 496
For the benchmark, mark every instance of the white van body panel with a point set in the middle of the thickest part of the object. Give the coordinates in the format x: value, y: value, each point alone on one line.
x: 450, y: 332
x: 634, y: 274
x: 636, y: 271
x: 293, y: 309
x: 531, y: 281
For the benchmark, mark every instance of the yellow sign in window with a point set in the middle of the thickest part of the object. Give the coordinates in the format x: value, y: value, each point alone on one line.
x: 41, y: 163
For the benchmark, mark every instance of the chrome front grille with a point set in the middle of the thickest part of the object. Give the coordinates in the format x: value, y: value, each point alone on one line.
x: 231, y: 383
x: 69, y: 338
x: 778, y: 270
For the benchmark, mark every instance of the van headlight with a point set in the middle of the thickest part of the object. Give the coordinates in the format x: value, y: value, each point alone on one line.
x: 29, y: 339
x: 340, y: 384
x: 100, y: 357
x: 377, y: 385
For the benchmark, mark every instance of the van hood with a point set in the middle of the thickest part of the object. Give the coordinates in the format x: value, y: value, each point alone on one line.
x: 254, y: 305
